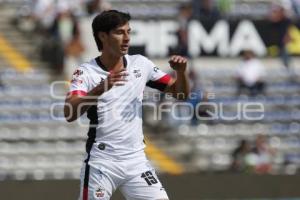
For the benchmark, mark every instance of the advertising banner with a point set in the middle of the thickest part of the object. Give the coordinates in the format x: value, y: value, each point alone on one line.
x: 222, y: 38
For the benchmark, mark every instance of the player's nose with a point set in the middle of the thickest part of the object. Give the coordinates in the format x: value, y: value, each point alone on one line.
x: 126, y: 38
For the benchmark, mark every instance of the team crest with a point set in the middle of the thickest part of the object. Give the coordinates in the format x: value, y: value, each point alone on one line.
x: 99, y: 192
x: 137, y: 73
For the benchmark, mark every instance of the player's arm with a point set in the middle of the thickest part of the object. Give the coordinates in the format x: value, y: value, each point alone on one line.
x: 178, y: 87
x: 77, y: 103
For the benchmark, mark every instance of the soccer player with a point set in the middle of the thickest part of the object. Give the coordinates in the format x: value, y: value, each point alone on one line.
x: 110, y: 89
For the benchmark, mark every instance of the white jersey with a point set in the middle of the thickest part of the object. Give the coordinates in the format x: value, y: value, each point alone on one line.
x: 116, y: 121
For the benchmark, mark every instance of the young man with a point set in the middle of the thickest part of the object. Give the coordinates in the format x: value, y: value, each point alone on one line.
x: 110, y: 89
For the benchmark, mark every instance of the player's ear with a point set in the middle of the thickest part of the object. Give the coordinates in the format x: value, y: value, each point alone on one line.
x: 102, y: 36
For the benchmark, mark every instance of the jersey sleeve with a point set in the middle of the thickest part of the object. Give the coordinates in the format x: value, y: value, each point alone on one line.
x: 157, y: 79
x: 79, y: 83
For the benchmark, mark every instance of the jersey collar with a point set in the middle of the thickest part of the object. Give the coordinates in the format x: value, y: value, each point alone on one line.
x: 100, y: 64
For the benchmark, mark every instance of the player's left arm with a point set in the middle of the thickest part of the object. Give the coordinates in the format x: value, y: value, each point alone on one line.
x: 179, y: 87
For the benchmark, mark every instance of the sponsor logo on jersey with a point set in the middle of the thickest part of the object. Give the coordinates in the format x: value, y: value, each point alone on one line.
x: 76, y: 81
x: 77, y: 73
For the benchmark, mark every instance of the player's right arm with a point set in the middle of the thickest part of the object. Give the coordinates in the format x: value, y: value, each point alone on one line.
x: 78, y: 101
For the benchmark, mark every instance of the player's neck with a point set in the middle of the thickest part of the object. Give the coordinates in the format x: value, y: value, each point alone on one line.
x: 112, y: 62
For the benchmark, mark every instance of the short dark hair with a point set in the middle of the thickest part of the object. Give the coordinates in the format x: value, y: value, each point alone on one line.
x: 107, y: 21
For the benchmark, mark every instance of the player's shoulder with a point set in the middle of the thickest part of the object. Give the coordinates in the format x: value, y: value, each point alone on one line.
x: 137, y: 58
x: 87, y: 66
x: 140, y: 60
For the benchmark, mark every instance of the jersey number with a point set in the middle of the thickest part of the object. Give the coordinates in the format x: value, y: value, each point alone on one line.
x: 149, y: 178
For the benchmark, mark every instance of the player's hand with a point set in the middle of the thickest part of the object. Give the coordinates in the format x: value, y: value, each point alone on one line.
x: 178, y: 63
x: 117, y: 78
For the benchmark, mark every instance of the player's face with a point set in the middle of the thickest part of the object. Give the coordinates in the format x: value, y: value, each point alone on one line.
x: 117, y: 40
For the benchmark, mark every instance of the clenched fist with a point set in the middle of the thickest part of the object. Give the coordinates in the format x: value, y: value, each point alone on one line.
x: 178, y: 63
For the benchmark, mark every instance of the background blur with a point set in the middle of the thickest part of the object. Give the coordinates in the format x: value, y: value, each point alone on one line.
x: 237, y: 136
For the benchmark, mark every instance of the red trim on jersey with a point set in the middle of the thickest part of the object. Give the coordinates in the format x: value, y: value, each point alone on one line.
x: 161, y: 83
x: 165, y: 79
x: 85, y: 193
x: 78, y: 92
